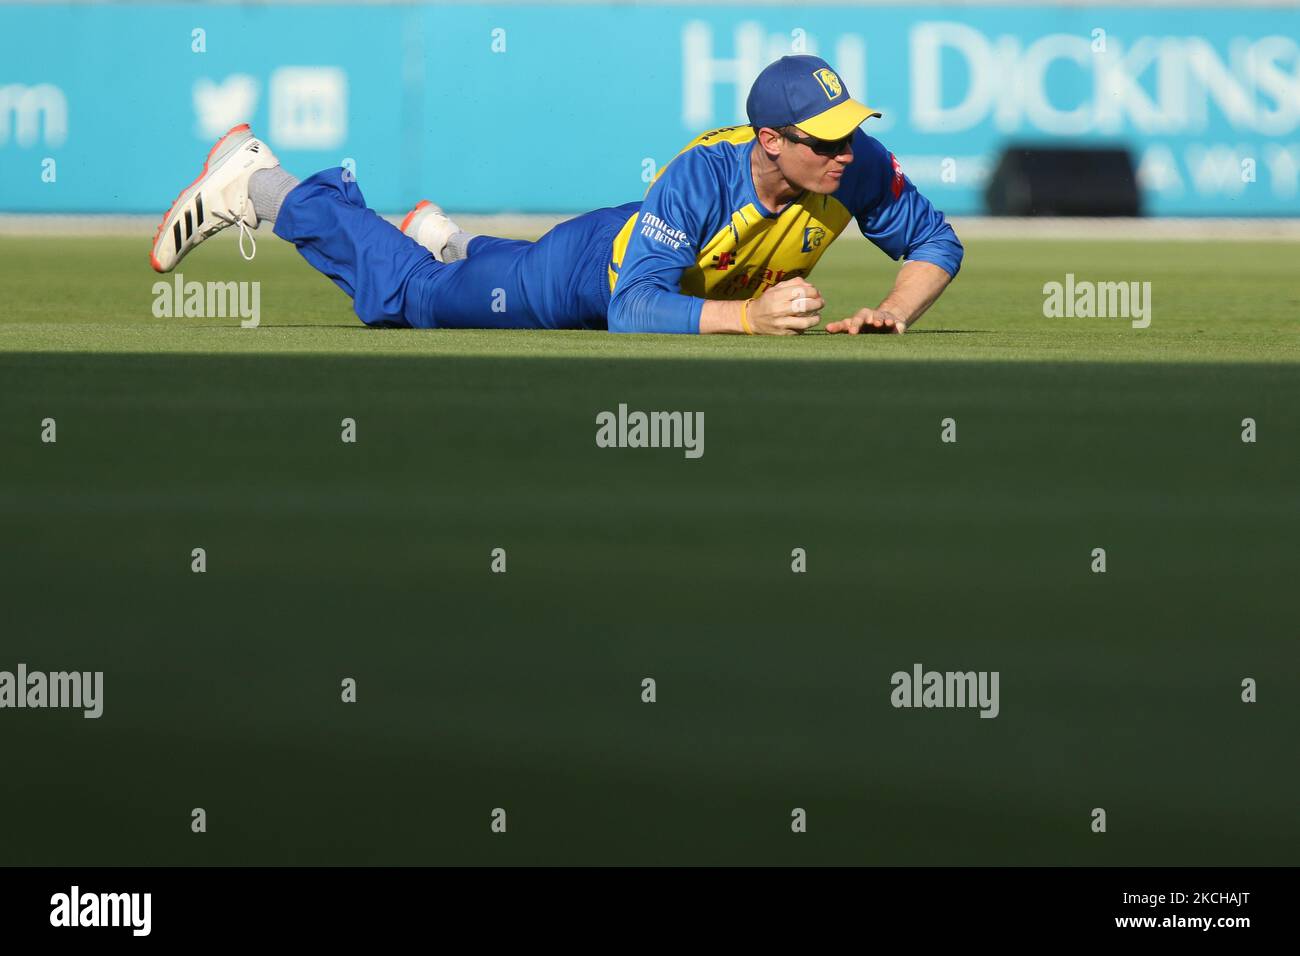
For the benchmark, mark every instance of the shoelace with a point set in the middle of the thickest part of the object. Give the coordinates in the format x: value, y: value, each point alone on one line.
x: 238, y: 220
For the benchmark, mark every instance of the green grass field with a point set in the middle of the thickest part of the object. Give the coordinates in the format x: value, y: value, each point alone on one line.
x: 522, y: 691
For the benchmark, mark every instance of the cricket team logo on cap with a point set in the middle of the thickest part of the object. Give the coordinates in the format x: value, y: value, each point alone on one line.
x: 830, y: 83
x: 804, y: 91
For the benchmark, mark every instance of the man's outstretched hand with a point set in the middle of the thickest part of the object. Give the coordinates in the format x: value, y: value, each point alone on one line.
x: 868, y: 320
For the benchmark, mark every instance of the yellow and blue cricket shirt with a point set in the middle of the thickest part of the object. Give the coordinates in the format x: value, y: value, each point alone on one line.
x: 702, y: 233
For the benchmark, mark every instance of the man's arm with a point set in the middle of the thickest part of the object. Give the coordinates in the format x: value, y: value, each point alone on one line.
x: 916, y: 287
x: 673, y: 220
x: 903, y: 224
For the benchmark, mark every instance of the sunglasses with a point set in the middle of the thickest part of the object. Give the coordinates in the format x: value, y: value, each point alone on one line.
x: 822, y: 147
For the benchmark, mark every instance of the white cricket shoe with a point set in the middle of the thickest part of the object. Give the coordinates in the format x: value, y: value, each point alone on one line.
x: 428, y: 225
x: 216, y: 199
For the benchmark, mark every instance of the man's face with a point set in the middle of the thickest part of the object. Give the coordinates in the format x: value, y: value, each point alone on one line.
x: 808, y: 163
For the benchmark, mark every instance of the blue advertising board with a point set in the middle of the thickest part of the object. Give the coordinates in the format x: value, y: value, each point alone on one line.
x: 559, y: 108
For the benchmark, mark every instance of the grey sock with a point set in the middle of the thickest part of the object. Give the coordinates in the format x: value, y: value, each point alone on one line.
x: 457, y: 247
x: 267, y: 189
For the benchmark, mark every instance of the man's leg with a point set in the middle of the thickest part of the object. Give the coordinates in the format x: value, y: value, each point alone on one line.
x: 391, y: 278
x: 502, y: 283
x: 482, y: 244
x: 388, y: 275
x: 561, y: 281
x: 394, y: 281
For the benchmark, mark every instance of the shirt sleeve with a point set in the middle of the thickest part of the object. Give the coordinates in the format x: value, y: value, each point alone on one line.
x: 898, y: 219
x: 665, y: 241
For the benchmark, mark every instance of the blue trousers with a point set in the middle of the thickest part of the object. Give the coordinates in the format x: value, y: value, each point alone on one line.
x: 561, y: 281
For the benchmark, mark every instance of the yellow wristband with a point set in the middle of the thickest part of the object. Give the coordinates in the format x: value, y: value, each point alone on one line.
x: 744, y: 319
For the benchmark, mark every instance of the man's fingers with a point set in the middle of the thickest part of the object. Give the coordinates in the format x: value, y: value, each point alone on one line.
x: 868, y: 320
x: 796, y: 289
x: 797, y: 323
x: 886, y: 324
x: 808, y: 304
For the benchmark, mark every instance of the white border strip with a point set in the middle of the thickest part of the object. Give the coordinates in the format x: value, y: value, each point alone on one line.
x: 1220, y: 4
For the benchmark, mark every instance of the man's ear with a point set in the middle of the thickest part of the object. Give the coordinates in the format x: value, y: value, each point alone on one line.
x: 771, y: 141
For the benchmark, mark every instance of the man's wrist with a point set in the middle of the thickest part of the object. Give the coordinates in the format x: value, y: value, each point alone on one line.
x: 723, y: 316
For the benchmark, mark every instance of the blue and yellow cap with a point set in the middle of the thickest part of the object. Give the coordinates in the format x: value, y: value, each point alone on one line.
x: 804, y: 91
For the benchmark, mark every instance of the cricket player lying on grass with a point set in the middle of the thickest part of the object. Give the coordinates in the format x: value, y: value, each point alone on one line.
x: 723, y: 241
